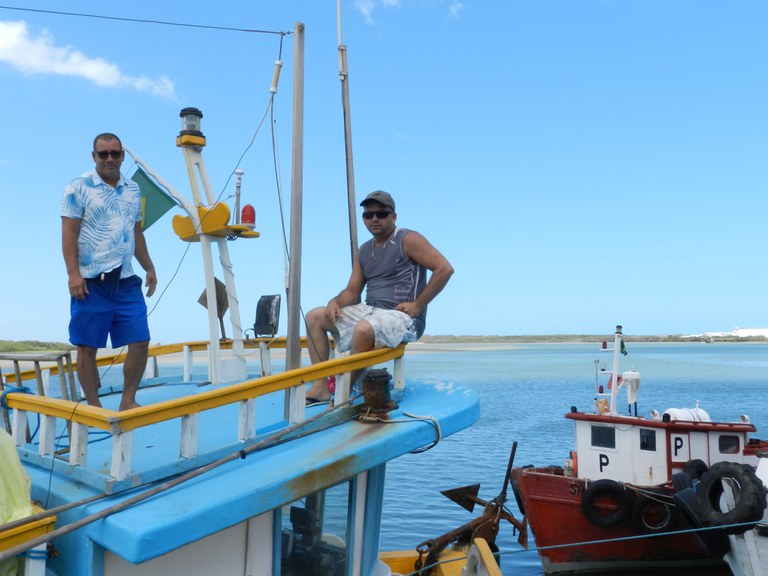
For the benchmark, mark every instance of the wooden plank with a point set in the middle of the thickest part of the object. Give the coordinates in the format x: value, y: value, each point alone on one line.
x: 122, y: 455
x: 78, y: 448
x: 190, y: 426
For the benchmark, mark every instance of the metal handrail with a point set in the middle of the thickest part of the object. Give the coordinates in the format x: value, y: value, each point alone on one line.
x: 124, y: 421
x: 121, y: 424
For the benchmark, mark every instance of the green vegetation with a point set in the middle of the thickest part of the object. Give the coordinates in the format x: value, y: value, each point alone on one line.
x: 32, y: 346
x: 450, y: 339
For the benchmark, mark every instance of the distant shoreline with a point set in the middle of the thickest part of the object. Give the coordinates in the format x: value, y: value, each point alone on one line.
x: 427, y: 345
x: 453, y: 342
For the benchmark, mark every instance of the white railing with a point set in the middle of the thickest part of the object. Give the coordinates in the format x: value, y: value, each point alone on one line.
x: 81, y: 418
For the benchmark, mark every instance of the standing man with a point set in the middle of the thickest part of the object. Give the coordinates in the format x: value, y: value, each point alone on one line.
x: 392, y: 267
x: 101, y: 232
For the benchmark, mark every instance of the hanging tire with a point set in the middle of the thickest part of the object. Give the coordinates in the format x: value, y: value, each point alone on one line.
x: 685, y: 500
x: 714, y: 543
x: 606, y: 503
x: 748, y: 494
x: 654, y: 514
x: 695, y: 468
x: 681, y: 481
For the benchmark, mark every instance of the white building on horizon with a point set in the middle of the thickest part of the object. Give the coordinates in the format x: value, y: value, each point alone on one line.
x: 739, y: 333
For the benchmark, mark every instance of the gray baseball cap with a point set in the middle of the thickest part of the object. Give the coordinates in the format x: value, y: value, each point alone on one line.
x: 381, y: 197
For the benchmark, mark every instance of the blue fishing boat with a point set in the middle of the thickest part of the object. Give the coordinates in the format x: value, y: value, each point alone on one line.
x: 223, y: 469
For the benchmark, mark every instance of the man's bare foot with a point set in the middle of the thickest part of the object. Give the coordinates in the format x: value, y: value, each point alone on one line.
x: 318, y: 392
x: 128, y: 405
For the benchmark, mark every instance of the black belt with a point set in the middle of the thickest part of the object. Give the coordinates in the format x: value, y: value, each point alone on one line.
x: 111, y: 276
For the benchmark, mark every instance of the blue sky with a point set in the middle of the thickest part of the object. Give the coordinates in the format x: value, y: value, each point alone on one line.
x: 581, y: 163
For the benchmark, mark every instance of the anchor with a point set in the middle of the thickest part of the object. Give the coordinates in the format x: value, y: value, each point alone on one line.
x: 484, y: 526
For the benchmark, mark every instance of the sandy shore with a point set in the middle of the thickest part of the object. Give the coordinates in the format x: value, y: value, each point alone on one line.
x: 279, y: 353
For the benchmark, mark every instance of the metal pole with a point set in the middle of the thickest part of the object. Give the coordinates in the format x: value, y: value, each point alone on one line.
x: 617, y: 338
x: 352, y: 205
x: 239, y: 176
x: 344, y: 77
x: 293, y: 343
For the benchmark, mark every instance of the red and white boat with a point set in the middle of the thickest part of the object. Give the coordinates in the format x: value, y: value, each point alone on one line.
x: 642, y: 493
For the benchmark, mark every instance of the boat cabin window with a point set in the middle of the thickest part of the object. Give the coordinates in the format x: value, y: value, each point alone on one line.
x: 648, y: 439
x: 603, y: 437
x: 728, y: 444
x: 315, y: 532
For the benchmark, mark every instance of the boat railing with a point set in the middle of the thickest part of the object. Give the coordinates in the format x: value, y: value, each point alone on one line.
x: 81, y: 418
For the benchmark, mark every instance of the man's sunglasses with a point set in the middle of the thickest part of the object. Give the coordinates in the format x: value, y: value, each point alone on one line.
x: 114, y: 153
x: 380, y: 214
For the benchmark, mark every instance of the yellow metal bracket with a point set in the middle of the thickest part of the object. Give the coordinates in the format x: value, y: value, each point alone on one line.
x: 214, y: 221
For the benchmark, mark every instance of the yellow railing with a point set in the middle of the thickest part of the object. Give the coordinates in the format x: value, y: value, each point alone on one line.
x: 127, y: 420
x: 120, y: 424
x: 162, y: 350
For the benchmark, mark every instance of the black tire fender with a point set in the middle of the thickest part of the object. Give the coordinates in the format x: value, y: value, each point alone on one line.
x: 714, y: 542
x: 695, y: 468
x: 748, y: 493
x: 685, y: 500
x: 654, y: 513
x: 606, y: 496
x: 681, y: 481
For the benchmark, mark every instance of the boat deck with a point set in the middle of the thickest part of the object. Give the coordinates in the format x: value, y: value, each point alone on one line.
x: 335, y: 446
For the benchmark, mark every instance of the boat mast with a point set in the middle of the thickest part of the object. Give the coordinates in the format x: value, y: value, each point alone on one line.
x: 293, y: 341
x: 617, y: 339
x: 192, y: 141
x: 344, y: 77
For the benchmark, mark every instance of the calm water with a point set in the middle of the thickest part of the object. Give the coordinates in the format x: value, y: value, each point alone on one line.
x: 524, y: 393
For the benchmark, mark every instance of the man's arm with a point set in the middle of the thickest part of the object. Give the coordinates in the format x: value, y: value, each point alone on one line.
x: 418, y: 249
x: 70, y: 228
x: 142, y: 255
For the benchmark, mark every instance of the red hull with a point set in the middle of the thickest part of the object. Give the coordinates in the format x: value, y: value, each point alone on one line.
x: 552, y: 506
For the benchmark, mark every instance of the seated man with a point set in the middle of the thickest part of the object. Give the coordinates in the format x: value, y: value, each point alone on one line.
x: 392, y: 267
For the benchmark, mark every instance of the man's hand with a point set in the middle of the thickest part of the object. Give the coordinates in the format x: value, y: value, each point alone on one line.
x: 410, y: 308
x: 332, y: 312
x: 78, y: 287
x: 150, y: 282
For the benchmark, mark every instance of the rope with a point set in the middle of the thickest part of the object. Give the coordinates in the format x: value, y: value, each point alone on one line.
x: 368, y: 419
x: 584, y: 543
x: 11, y: 390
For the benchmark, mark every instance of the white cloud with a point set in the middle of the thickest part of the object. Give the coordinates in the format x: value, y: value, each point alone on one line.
x: 454, y: 9
x: 365, y: 7
x: 40, y: 55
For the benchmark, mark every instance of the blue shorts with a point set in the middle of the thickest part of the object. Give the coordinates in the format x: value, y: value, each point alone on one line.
x: 116, y: 309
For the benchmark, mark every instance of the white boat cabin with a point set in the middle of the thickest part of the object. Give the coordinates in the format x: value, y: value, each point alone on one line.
x: 648, y: 451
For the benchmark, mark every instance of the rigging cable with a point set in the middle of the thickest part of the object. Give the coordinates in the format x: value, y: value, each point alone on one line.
x: 145, y: 21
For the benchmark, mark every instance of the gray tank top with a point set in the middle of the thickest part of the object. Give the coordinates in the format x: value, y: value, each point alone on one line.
x: 391, y: 277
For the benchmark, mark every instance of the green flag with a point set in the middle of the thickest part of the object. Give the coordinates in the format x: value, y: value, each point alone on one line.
x: 154, y: 202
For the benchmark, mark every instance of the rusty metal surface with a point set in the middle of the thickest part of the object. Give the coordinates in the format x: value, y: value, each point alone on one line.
x: 486, y: 525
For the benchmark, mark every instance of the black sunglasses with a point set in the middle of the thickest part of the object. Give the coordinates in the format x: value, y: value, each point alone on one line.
x: 114, y: 153
x: 380, y: 214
